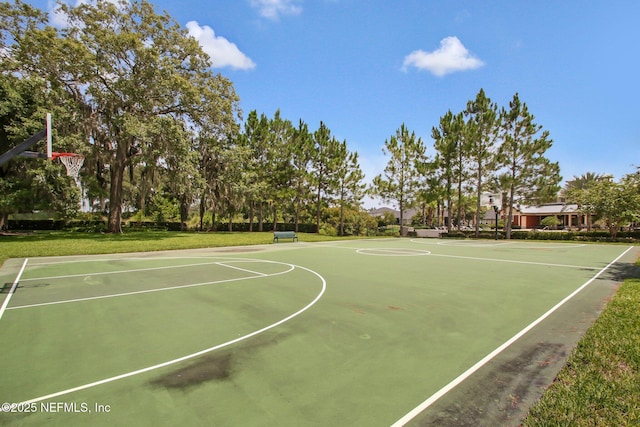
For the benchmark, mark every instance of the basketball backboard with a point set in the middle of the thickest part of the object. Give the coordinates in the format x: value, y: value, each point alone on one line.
x: 489, y: 200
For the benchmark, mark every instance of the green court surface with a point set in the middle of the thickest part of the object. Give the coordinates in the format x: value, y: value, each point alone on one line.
x: 348, y: 333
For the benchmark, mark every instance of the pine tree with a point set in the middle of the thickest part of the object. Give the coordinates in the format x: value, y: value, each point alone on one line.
x: 401, y: 179
x: 532, y: 178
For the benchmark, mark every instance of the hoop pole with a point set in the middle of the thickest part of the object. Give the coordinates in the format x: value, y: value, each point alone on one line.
x: 4, y: 158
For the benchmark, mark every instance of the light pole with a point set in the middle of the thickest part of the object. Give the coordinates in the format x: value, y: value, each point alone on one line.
x: 495, y: 209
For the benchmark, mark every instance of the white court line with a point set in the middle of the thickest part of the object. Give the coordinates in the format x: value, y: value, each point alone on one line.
x: 147, y: 291
x: 466, y: 374
x: 513, y: 244
x: 392, y: 252
x: 75, y: 259
x: 400, y: 253
x: 243, y: 269
x: 189, y: 356
x: 13, y: 288
x: 472, y: 243
x: 135, y: 270
x: 546, y: 264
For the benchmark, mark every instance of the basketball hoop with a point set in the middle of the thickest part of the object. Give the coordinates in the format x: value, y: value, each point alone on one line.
x: 72, y: 162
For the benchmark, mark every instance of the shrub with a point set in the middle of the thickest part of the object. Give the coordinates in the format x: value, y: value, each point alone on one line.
x: 328, y: 230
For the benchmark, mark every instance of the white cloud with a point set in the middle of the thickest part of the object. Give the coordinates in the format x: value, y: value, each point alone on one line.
x: 222, y: 52
x: 272, y: 9
x: 452, y: 56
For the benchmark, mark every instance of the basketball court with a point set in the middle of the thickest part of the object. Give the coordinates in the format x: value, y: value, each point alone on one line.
x: 368, y: 332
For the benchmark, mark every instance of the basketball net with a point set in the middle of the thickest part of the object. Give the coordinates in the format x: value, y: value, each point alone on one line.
x: 73, y: 163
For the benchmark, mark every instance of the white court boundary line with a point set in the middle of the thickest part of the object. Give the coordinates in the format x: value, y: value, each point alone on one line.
x: 513, y: 244
x: 362, y: 251
x: 559, y: 245
x: 471, y: 243
x: 189, y: 356
x: 511, y: 261
x: 13, y: 288
x: 392, y: 252
x: 170, y: 288
x: 466, y: 374
x: 102, y: 273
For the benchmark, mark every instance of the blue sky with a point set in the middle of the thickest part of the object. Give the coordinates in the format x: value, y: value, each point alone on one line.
x: 366, y: 67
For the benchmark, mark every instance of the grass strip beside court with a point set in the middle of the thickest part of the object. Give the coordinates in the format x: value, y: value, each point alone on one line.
x: 600, y: 385
x: 61, y: 243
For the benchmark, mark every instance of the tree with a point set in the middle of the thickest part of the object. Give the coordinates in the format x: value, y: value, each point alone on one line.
x: 551, y: 222
x: 532, y: 178
x: 278, y: 167
x: 130, y: 71
x: 482, y: 130
x: 255, y: 138
x: 325, y: 163
x: 301, y: 161
x: 447, y: 144
x: 461, y: 171
x: 233, y: 180
x: 614, y: 203
x: 400, y: 182
x: 350, y: 184
x: 25, y: 98
x: 574, y: 189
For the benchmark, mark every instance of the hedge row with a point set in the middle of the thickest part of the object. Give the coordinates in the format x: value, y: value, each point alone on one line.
x: 588, y: 236
x: 584, y: 236
x: 97, y: 225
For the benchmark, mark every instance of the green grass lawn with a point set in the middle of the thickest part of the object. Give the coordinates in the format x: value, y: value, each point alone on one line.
x: 60, y: 243
x: 600, y: 385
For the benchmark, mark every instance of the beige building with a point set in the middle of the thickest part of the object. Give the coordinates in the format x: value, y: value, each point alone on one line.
x: 530, y: 216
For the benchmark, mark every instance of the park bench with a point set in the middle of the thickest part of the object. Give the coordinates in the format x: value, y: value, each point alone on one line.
x: 284, y: 235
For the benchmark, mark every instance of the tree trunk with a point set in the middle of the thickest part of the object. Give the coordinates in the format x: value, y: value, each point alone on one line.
x: 318, y: 211
x: 275, y: 217
x: 509, y: 214
x: 251, y: 215
x: 202, y: 211
x: 459, y: 207
x: 115, y: 194
x: 296, y: 219
x: 478, y: 195
x: 184, y: 212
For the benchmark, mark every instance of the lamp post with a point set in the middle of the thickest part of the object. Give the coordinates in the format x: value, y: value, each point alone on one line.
x: 495, y: 209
